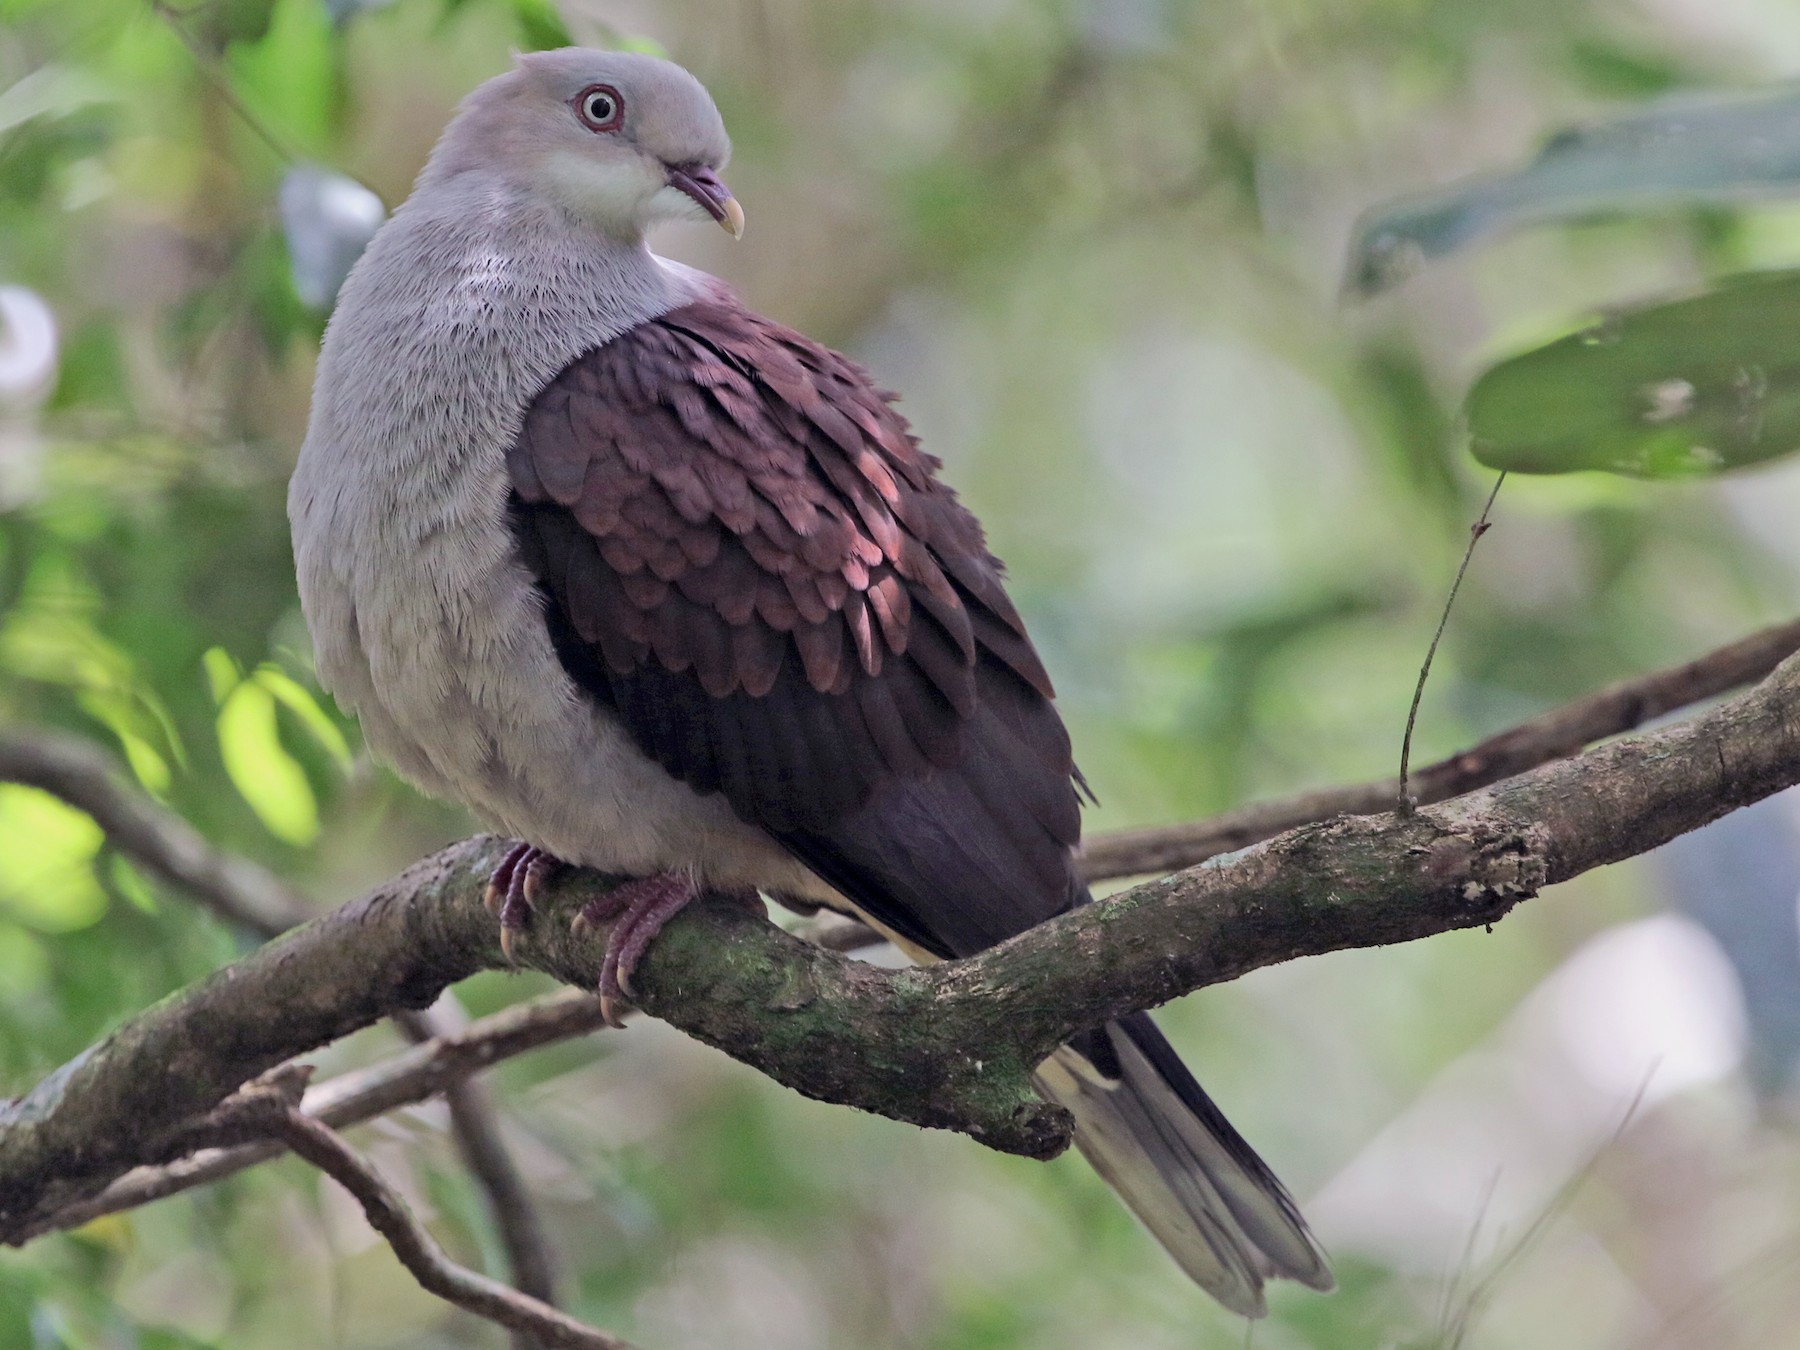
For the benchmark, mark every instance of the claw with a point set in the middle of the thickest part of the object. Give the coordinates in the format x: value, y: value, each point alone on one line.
x: 539, y: 868
x: 500, y: 881
x: 609, y: 1006
x: 512, y: 888
x: 640, y: 909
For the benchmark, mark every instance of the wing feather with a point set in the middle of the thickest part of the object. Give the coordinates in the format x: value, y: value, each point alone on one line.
x: 746, y: 557
x: 770, y: 587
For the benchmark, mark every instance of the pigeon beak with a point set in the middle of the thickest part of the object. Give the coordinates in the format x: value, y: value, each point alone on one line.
x: 707, y: 188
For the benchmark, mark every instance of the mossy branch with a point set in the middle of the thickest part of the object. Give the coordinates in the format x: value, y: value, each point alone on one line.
x: 951, y: 1046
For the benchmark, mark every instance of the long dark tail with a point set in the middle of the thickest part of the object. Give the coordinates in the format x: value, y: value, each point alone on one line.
x: 1149, y: 1129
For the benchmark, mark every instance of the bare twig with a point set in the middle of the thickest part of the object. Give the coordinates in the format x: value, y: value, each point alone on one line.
x: 388, y: 1215
x: 214, y: 74
x: 362, y: 1094
x: 475, y: 1125
x: 1620, y: 707
x: 1404, y: 803
x: 164, y: 844
x: 241, y: 893
x: 1460, y: 1320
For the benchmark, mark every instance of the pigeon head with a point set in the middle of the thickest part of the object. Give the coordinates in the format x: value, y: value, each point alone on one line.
x: 620, y: 139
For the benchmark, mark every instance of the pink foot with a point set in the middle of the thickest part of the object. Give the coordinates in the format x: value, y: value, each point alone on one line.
x: 640, y: 907
x: 513, y: 889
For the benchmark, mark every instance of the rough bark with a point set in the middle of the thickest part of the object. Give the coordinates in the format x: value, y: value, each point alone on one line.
x: 949, y: 1046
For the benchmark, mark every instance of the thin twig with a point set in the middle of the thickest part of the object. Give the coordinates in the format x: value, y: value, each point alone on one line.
x: 475, y: 1125
x: 1455, y: 1332
x: 1404, y: 804
x: 208, y: 65
x: 1564, y: 730
x: 362, y: 1094
x: 388, y: 1214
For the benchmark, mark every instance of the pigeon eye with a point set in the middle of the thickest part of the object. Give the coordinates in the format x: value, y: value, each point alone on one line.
x: 600, y: 107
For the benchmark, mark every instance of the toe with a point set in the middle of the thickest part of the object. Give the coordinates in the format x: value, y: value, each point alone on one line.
x: 611, y: 996
x: 601, y: 910
x: 501, y: 878
x: 538, y: 870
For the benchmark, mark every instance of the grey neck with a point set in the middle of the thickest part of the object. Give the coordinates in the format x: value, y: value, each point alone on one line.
x: 468, y: 302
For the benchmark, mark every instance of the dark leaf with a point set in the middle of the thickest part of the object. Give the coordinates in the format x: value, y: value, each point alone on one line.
x: 1672, y: 390
x: 1679, y: 151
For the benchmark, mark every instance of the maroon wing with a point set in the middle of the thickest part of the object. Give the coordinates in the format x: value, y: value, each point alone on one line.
x: 747, y: 558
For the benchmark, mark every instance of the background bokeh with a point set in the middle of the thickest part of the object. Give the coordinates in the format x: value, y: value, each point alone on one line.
x: 1098, y: 245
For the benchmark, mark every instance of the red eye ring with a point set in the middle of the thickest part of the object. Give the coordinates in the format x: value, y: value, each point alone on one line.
x: 599, y: 107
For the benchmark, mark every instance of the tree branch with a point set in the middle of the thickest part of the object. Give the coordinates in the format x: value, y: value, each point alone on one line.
x: 951, y: 1046
x: 1611, y: 711
x: 351, y: 1098
x: 388, y: 1215
x: 242, y: 893
x: 475, y: 1125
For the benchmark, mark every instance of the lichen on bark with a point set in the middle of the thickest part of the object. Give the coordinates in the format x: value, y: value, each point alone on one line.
x: 949, y: 1046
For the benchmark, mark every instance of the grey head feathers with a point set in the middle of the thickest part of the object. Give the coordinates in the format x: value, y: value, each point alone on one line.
x: 597, y: 132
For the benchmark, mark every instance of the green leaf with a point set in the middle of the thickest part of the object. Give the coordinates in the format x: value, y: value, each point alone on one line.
x: 1672, y: 390
x: 261, y: 769
x: 222, y: 673
x: 126, y: 881
x: 226, y: 21
x: 50, y: 91
x: 50, y: 849
x: 50, y: 636
x: 139, y: 723
x: 1676, y: 151
x: 297, y: 699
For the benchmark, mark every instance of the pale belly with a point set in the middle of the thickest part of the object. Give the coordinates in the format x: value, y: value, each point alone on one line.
x: 448, y: 665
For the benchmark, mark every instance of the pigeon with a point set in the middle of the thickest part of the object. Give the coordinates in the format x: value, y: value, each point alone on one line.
x: 659, y: 586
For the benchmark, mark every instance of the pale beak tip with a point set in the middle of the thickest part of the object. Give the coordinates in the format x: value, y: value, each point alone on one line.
x: 734, y: 217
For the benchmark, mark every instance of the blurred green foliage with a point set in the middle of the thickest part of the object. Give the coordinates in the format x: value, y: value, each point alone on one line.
x: 1096, y: 245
